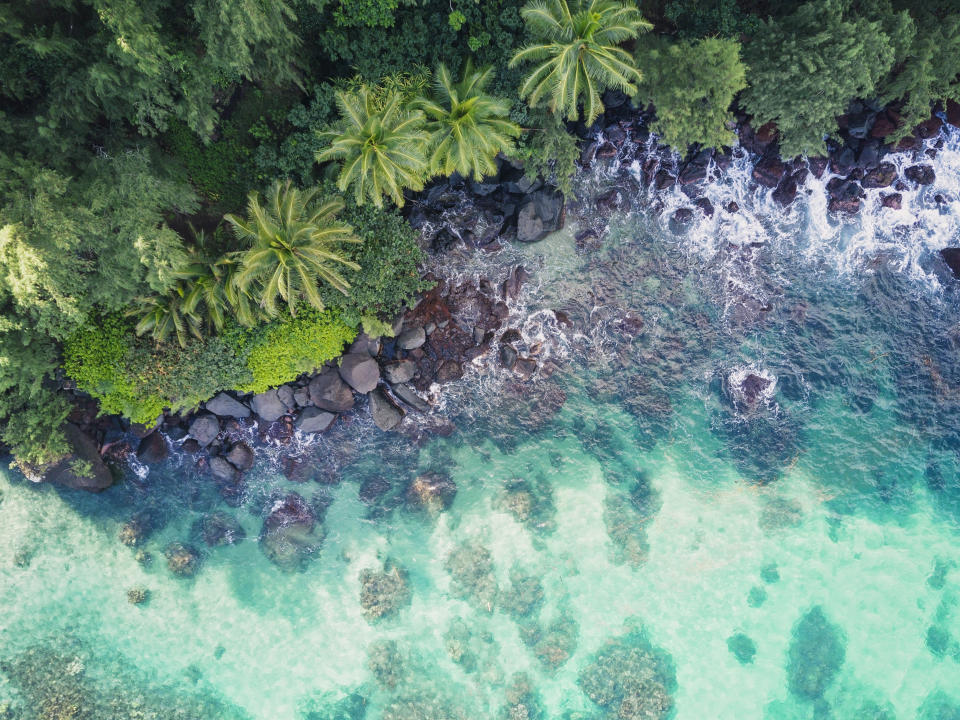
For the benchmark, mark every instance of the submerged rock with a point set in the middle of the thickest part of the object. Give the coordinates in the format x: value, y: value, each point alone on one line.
x: 432, y: 491
x: 815, y: 655
x: 153, y: 448
x: 383, y: 593
x: 182, y: 560
x: 471, y: 575
x: 219, y: 528
x: 290, y: 535
x: 742, y: 648
x: 920, y: 174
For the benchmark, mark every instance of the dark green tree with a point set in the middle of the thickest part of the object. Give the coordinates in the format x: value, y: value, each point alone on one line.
x: 693, y: 106
x: 806, y: 68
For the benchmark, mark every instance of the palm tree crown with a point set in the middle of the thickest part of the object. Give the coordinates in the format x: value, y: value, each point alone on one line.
x: 578, y: 56
x: 163, y: 315
x: 293, y: 245
x: 467, y: 127
x: 381, y: 145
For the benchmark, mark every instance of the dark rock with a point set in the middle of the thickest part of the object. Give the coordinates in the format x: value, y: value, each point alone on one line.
x: 153, y: 448
x: 329, y: 392
x: 881, y: 176
x: 589, y: 153
x: 786, y: 192
x: 508, y: 356
x: 883, y: 125
x: 817, y: 166
x: 487, y: 186
x: 525, y: 367
x: 768, y: 171
x: 386, y: 414
x: 705, y: 206
x: 224, y: 405
x: 680, y: 219
x: 289, y: 536
x: 522, y: 185
x: 850, y: 206
x: 693, y: 172
x: 222, y: 470
x: 411, y: 339
x: 732, y: 207
x: 859, y: 124
x: 360, y: 371
x: 408, y: 395
x: 190, y: 446
x: 268, y: 405
x: 383, y: 593
x: 920, y: 174
x: 449, y: 371
x: 314, y: 420
x: 301, y: 396
x: 630, y: 324
x: 929, y: 128
x: 951, y: 256
x: 607, y: 150
x: 869, y: 155
x: 842, y: 162
x: 241, y: 457
x: 893, y: 201
x: 205, y: 428
x: 514, y: 282
x: 540, y: 214
x: 663, y: 180
x: 511, y: 336
x: 399, y: 372
x: 587, y: 240
x: 432, y: 491
x: 373, y: 489
x: 285, y: 393
x: 218, y: 529
x: 182, y: 560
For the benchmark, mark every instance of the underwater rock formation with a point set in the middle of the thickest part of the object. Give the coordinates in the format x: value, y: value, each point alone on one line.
x: 291, y: 534
x: 383, y: 593
x: 815, y: 655
x: 182, y: 560
x: 629, y: 679
x: 471, y: 575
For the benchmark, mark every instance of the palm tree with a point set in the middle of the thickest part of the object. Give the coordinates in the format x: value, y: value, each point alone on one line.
x: 293, y: 245
x: 578, y: 55
x: 381, y: 146
x: 161, y: 315
x: 467, y: 127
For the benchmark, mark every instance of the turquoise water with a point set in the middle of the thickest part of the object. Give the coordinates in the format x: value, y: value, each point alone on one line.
x: 626, y: 541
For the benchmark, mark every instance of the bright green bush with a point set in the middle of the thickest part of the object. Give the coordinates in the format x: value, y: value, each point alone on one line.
x: 281, y: 351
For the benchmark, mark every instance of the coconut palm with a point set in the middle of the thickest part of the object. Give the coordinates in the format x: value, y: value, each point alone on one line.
x: 163, y: 315
x: 578, y: 54
x: 381, y: 145
x: 293, y: 245
x: 467, y: 127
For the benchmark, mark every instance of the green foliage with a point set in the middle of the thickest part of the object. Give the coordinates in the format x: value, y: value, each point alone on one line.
x: 283, y: 350
x: 577, y: 55
x: 293, y: 244
x: 389, y: 260
x: 547, y: 150
x: 138, y: 380
x: 806, y: 68
x: 365, y: 13
x: 467, y: 127
x: 693, y: 106
x: 701, y: 18
x: 32, y: 427
x: 380, y: 145
x: 926, y: 70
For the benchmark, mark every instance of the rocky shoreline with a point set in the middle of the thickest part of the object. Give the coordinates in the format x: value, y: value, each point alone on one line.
x: 457, y: 322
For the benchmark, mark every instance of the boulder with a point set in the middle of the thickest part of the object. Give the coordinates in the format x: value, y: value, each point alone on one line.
x: 432, y: 491
x: 224, y: 405
x: 921, y: 174
x: 508, y: 356
x: 268, y: 405
x: 314, y: 420
x: 881, y: 176
x: 409, y: 396
x: 289, y: 536
x: 894, y: 201
x: 663, y: 179
x: 411, y: 339
x: 386, y: 414
x: 365, y: 344
x: 525, y: 367
x: 153, y: 448
x: 241, y: 456
x: 951, y: 256
x: 222, y: 470
x: 360, y: 371
x: 399, y: 372
x: 514, y: 282
x: 219, y: 528
x: 301, y: 396
x: 449, y: 371
x: 285, y: 393
x: 540, y: 214
x: 768, y: 171
x: 785, y: 192
x: 205, y: 428
x: 182, y: 560
x: 329, y: 392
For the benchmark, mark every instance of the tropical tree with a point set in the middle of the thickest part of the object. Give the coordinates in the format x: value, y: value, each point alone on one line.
x: 467, y: 127
x: 293, y: 246
x: 381, y: 145
x: 161, y: 316
x: 577, y: 55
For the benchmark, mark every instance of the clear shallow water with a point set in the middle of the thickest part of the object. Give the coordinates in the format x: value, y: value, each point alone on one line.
x: 651, y: 545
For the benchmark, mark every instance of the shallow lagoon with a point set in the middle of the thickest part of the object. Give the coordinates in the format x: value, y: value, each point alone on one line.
x: 654, y: 549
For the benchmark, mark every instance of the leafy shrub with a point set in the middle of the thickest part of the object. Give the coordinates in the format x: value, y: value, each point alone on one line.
x: 547, y: 150
x: 389, y: 260
x: 283, y: 350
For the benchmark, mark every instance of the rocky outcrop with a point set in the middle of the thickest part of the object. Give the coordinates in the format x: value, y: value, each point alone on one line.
x: 360, y: 371
x: 205, y: 428
x: 387, y: 415
x: 329, y: 392
x: 81, y: 469
x: 223, y: 405
x: 314, y: 420
x: 153, y: 448
x: 951, y: 256
x: 268, y: 405
x: 290, y: 534
x: 540, y: 214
